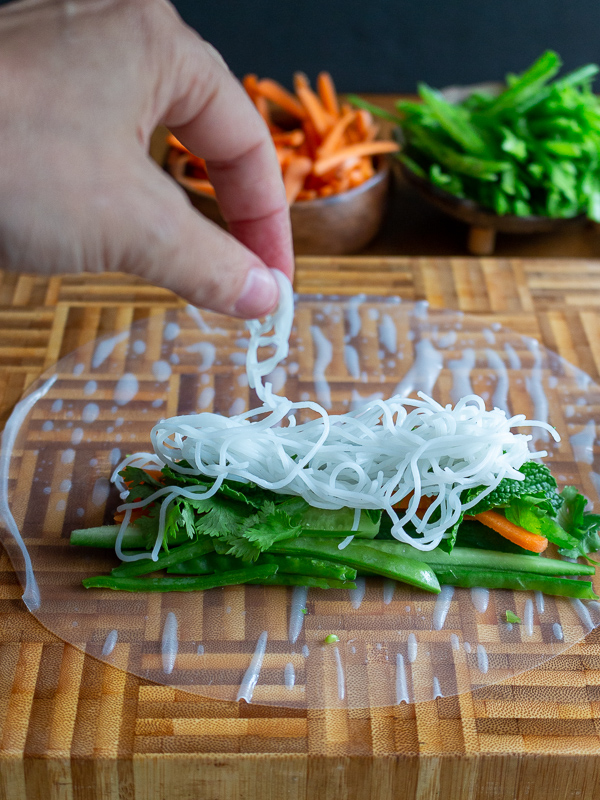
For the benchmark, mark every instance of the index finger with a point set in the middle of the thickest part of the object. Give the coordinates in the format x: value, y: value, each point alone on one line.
x: 214, y: 117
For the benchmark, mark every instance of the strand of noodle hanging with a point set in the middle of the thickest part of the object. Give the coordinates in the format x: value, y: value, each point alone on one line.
x: 370, y: 458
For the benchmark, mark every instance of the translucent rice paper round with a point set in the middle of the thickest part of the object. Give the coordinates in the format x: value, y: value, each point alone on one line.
x: 267, y: 644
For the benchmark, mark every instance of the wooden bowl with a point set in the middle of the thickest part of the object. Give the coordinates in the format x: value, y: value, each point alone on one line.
x: 484, y: 224
x: 335, y: 225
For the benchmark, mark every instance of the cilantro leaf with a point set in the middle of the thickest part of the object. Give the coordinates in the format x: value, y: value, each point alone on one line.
x: 148, y: 525
x: 271, y: 526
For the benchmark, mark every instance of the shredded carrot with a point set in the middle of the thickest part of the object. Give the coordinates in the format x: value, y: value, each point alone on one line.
x: 324, y: 165
x: 300, y: 81
x: 289, y: 138
x: 295, y: 175
x: 335, y: 136
x: 328, y: 150
x: 250, y: 83
x: 312, y: 104
x: 173, y: 141
x: 273, y: 91
x: 307, y: 194
x: 424, y: 502
x: 327, y: 93
x: 512, y: 532
x: 199, y: 185
x: 364, y: 122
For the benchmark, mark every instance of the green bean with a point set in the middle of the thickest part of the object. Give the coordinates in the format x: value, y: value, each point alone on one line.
x: 195, y: 566
x: 472, y: 557
x: 304, y: 580
x: 455, y: 121
x: 298, y: 565
x: 362, y: 555
x: 176, y: 583
x: 175, y: 556
x: 105, y: 536
x: 470, y: 577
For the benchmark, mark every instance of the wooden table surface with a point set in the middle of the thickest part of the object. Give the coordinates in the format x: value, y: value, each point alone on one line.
x: 73, y: 727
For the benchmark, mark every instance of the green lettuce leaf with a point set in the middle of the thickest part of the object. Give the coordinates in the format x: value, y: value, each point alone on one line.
x: 530, y: 513
x: 583, y: 527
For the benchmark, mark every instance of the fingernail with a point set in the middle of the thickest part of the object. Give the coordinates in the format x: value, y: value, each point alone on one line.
x: 259, y: 295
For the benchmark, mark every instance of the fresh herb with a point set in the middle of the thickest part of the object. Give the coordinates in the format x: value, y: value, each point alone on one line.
x: 246, y: 531
x: 582, y: 527
x: 512, y: 617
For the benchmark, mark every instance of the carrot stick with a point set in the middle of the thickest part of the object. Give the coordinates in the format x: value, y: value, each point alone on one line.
x: 172, y: 141
x: 273, y: 91
x: 327, y: 93
x: 334, y: 137
x: 307, y: 194
x: 364, y: 123
x: 366, y: 165
x: 250, y: 82
x: 289, y: 138
x: 315, y: 110
x: 300, y: 80
x: 497, y: 522
x: 284, y: 154
x: 293, y: 179
x: 199, y: 185
x: 338, y: 139
x: 424, y: 502
x: 324, y: 165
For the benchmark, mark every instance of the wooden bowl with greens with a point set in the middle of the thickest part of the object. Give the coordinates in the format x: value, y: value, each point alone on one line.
x: 521, y: 160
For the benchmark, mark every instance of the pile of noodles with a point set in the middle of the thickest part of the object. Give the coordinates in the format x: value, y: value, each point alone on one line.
x: 369, y: 458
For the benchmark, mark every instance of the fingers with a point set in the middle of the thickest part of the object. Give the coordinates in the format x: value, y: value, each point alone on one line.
x: 174, y: 246
x: 213, y: 116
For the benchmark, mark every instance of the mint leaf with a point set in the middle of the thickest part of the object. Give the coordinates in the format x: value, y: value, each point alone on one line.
x: 537, y: 483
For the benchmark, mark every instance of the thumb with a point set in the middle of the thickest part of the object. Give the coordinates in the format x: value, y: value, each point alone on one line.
x: 176, y: 247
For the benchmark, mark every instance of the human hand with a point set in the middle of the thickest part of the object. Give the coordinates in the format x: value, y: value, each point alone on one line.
x: 83, y: 84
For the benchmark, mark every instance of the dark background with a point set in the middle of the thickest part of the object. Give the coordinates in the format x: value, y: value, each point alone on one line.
x: 387, y: 45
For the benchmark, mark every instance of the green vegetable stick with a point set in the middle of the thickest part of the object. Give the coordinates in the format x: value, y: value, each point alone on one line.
x: 302, y: 565
x: 472, y: 557
x: 105, y: 536
x: 471, y: 577
x: 178, y: 583
x: 195, y: 566
x: 295, y: 565
x: 304, y: 580
x: 528, y: 84
x: 455, y: 121
x: 363, y: 556
x: 379, y: 112
x: 175, y: 555
x: 484, y: 169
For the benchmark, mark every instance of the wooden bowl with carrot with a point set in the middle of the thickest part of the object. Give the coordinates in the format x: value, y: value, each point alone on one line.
x: 334, y: 169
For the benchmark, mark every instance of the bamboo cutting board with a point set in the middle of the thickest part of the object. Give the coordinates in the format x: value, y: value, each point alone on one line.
x: 74, y: 727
